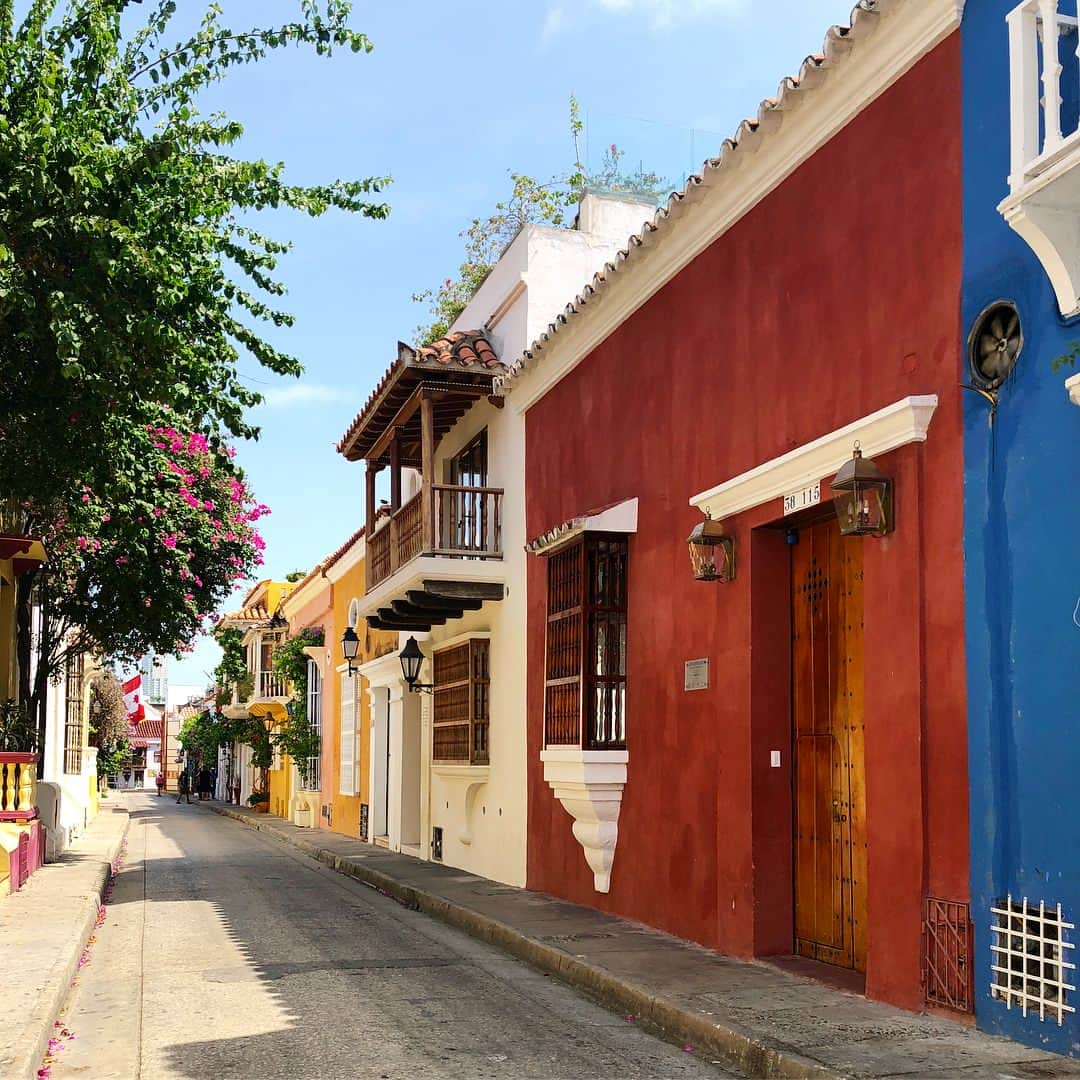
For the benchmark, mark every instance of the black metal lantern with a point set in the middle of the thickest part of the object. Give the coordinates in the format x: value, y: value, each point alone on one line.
x: 712, y: 553
x: 350, y: 645
x: 411, y: 661
x: 862, y: 496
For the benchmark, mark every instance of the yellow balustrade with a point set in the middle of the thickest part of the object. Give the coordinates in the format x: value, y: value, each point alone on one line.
x: 18, y: 786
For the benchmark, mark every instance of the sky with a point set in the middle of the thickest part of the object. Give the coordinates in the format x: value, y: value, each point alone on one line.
x: 453, y: 97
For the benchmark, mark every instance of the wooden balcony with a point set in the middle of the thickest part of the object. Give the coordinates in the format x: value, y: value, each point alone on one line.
x: 445, y: 520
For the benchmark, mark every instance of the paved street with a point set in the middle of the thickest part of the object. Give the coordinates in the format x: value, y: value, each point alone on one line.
x: 225, y: 953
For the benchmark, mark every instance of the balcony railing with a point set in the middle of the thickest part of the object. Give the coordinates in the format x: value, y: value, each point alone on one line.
x: 18, y: 786
x: 446, y: 520
x: 270, y: 685
x: 1043, y: 74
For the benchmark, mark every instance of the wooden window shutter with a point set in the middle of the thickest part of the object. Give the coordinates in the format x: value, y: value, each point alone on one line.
x: 460, y: 703
x: 347, y: 761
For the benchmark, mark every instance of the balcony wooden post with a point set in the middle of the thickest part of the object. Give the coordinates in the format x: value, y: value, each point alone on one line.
x: 395, y: 498
x: 427, y: 459
x: 371, y: 472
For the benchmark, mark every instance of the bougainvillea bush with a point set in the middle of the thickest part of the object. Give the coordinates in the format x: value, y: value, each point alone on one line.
x: 140, y: 561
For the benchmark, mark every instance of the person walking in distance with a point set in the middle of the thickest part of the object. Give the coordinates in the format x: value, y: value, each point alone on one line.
x: 185, y: 786
x: 159, y: 782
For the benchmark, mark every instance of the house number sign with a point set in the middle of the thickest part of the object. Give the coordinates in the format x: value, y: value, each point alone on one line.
x: 800, y: 500
x: 696, y: 675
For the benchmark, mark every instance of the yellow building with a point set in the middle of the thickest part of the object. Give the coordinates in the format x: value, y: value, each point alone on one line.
x: 347, y: 744
x: 264, y: 694
x: 21, y: 836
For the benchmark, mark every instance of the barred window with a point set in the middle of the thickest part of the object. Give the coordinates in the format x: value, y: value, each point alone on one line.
x: 73, y: 718
x: 460, y: 697
x: 585, y: 665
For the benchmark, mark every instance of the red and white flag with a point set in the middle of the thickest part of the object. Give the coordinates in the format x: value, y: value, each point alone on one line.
x: 133, y: 699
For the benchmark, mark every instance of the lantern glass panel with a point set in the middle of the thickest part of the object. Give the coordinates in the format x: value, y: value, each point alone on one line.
x: 350, y: 643
x: 411, y: 658
x: 710, y: 557
x: 863, y: 510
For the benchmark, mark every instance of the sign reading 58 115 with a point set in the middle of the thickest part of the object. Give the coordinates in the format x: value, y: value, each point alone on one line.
x: 800, y: 500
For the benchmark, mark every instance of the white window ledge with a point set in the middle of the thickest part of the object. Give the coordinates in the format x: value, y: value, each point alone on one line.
x: 589, y: 784
x: 1072, y: 385
x: 905, y: 421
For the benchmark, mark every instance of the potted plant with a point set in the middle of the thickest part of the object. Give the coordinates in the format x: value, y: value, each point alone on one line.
x: 18, y: 732
x: 259, y: 801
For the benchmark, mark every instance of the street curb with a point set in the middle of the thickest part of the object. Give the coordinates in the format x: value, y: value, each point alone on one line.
x: 38, y: 1024
x: 750, y: 1053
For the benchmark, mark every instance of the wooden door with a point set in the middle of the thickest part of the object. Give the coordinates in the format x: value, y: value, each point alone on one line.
x: 827, y: 714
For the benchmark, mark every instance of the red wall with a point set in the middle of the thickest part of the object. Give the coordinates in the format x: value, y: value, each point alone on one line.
x: 836, y: 296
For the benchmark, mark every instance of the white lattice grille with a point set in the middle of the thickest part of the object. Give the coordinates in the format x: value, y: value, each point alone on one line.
x: 1030, y: 969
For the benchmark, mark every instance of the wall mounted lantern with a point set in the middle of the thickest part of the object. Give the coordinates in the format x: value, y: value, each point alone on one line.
x: 712, y: 553
x: 350, y: 645
x: 411, y: 660
x: 862, y: 495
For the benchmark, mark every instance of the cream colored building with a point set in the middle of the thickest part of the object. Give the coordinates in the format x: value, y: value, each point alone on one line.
x: 446, y: 563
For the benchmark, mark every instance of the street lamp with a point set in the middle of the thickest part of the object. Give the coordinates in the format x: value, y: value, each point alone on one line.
x: 862, y: 495
x: 411, y: 658
x: 350, y: 645
x: 712, y: 553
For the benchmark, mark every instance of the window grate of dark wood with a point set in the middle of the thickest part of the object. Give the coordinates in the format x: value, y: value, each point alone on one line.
x: 73, y: 717
x: 585, y: 653
x: 461, y: 695
x: 947, y: 935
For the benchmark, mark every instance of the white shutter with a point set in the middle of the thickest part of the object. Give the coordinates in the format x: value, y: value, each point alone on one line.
x: 347, y: 763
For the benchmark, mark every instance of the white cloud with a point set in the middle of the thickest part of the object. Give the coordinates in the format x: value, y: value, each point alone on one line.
x: 285, y: 397
x: 666, y: 12
x: 554, y: 23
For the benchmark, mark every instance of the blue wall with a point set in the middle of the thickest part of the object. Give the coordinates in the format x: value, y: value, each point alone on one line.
x: 1022, y: 559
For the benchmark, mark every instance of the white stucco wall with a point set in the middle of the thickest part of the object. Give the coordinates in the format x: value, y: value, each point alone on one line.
x: 74, y: 787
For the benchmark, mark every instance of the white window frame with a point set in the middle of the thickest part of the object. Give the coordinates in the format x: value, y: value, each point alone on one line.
x: 314, y: 715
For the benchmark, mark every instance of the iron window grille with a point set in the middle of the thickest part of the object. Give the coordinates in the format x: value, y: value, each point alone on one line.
x: 585, y: 651
x: 73, y: 715
x: 1029, y: 966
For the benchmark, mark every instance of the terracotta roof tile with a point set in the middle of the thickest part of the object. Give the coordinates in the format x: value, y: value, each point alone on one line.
x: 464, y: 349
x: 147, y: 729
x: 792, y: 92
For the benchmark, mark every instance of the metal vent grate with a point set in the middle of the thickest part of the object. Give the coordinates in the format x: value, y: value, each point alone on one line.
x: 947, y: 954
x: 1029, y: 965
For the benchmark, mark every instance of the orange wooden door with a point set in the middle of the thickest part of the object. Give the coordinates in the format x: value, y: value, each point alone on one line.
x: 827, y: 712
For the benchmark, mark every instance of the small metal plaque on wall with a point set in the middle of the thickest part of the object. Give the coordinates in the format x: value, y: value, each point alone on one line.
x: 696, y: 675
x: 363, y: 820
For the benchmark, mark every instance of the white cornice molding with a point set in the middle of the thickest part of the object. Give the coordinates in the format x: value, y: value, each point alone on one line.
x: 348, y: 561
x: 761, y: 162
x: 905, y: 421
x: 1072, y: 385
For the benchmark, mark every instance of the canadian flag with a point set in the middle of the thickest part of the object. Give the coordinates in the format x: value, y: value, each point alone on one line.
x: 133, y: 699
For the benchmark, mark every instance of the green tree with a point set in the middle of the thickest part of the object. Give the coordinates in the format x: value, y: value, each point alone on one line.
x: 132, y: 283
x: 531, y: 202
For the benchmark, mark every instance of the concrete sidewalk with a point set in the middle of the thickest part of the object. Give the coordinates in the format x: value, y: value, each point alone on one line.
x: 43, y: 930
x: 764, y: 1021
